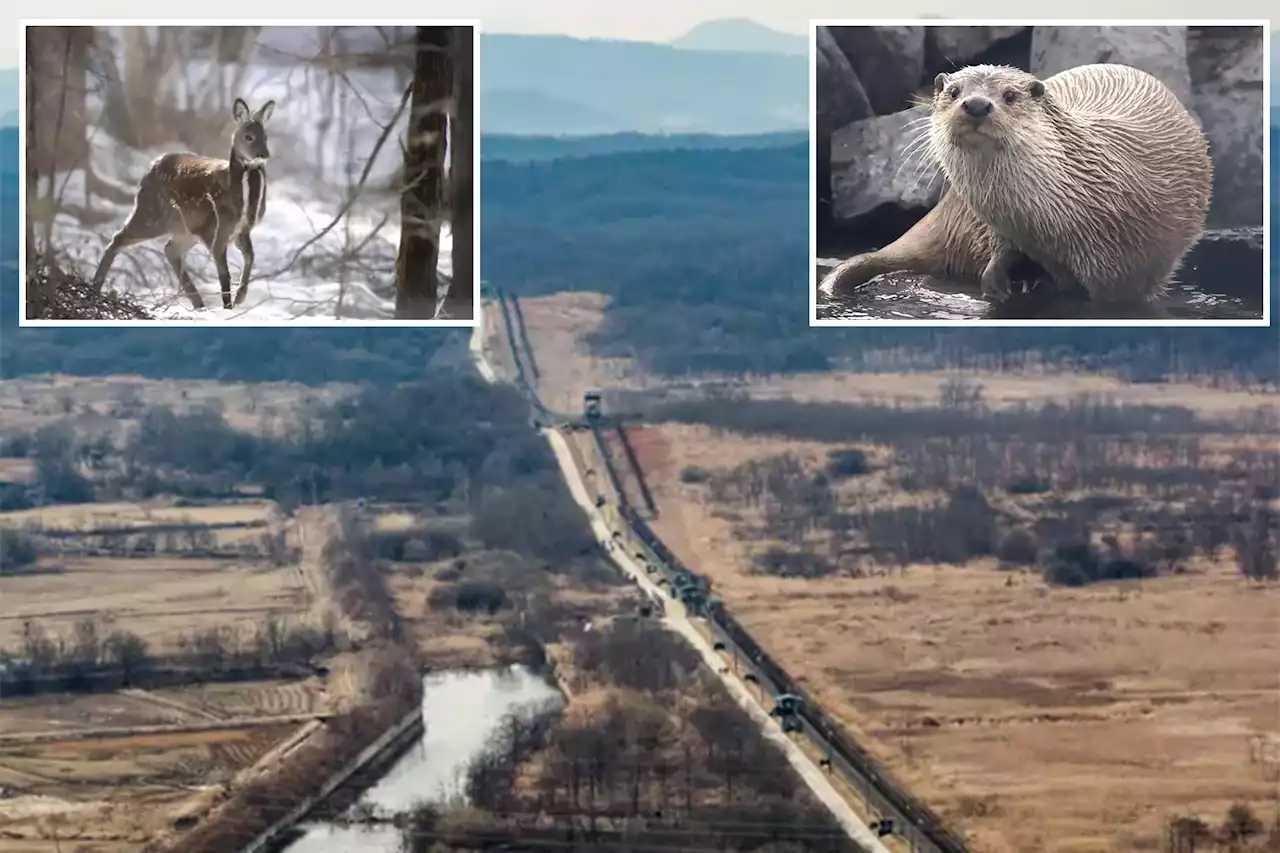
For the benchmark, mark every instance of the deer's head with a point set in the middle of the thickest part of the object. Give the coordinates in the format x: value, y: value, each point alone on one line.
x: 250, y: 139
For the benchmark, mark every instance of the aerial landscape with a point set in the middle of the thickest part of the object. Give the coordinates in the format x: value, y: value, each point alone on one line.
x: 642, y: 562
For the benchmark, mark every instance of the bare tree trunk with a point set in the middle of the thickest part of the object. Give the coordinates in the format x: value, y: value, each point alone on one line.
x: 116, y: 119
x: 148, y: 99
x: 58, y: 57
x: 420, y: 199
x: 33, y: 172
x: 67, y: 78
x: 460, y: 302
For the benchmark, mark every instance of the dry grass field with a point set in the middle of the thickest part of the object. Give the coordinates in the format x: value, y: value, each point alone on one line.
x: 560, y: 324
x: 450, y: 639
x: 83, y: 517
x: 116, y: 794
x: 194, y: 705
x: 253, y: 699
x: 447, y: 639
x: 153, y: 517
x: 558, y: 327
x: 70, y: 711
x: 113, y: 402
x: 1034, y: 717
x: 65, y: 788
x: 158, y: 598
x: 17, y: 470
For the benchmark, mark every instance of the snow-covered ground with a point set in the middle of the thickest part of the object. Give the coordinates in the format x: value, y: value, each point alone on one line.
x: 347, y: 275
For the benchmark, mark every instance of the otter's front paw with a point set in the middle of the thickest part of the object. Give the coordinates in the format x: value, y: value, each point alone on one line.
x: 996, y: 286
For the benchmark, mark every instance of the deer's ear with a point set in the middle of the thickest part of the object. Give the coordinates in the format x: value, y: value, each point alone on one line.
x: 240, y: 111
x: 264, y: 115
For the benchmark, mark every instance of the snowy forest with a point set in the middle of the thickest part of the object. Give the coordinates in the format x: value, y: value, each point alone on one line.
x: 249, y: 174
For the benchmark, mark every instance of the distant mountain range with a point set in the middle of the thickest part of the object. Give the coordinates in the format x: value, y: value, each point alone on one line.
x: 1275, y: 69
x: 569, y: 86
x: 9, y: 93
x: 743, y: 35
x: 524, y: 148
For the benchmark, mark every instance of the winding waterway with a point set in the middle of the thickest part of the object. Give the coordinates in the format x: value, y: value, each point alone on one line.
x: 461, y: 711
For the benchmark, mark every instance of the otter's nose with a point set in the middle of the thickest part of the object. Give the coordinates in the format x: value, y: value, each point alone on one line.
x: 977, y: 106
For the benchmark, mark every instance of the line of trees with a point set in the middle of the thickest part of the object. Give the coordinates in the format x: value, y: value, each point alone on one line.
x: 1144, y: 472
x: 99, y: 654
x: 666, y: 760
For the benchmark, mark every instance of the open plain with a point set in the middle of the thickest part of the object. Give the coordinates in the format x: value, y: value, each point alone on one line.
x: 1033, y: 714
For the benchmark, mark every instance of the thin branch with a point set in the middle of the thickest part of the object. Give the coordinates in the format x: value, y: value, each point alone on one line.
x: 364, y: 176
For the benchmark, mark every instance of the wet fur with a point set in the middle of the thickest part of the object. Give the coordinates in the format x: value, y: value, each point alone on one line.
x: 1100, y: 176
x: 194, y: 199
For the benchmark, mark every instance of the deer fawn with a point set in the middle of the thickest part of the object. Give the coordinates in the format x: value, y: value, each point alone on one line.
x: 193, y: 199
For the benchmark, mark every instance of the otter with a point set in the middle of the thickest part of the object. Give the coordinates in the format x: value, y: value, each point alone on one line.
x: 1097, y: 175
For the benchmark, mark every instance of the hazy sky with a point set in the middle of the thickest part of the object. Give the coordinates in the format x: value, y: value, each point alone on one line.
x: 644, y: 20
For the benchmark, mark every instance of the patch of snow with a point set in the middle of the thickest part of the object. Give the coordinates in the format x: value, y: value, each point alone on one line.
x: 349, y: 274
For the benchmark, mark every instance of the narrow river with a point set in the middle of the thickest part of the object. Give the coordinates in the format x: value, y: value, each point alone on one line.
x: 461, y: 711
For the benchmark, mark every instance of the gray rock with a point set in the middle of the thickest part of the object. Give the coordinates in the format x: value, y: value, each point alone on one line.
x: 1160, y: 51
x: 888, y: 60
x: 957, y: 46
x: 840, y: 96
x: 1227, y: 68
x: 870, y: 168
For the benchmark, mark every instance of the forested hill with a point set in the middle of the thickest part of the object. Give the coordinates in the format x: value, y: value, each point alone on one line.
x: 705, y: 253
x: 503, y: 146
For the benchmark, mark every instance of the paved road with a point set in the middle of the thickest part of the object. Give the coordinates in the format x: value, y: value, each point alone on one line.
x: 676, y: 619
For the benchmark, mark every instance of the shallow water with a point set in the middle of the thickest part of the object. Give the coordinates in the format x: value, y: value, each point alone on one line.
x: 461, y: 711
x: 912, y: 297
x: 1221, y: 279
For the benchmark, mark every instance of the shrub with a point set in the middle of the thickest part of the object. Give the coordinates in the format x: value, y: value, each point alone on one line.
x: 842, y: 464
x: 1124, y: 569
x: 1072, y: 564
x: 782, y: 563
x: 18, y: 551
x: 694, y: 475
x: 416, y: 551
x: 469, y: 597
x: 1241, y: 824
x: 1076, y: 564
x: 970, y: 517
x: 448, y: 574
x: 1019, y: 547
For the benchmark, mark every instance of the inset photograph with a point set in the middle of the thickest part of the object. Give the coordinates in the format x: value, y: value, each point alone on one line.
x: 249, y: 174
x: 1047, y: 174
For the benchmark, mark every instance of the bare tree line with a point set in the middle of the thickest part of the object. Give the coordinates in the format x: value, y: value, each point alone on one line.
x: 1160, y: 486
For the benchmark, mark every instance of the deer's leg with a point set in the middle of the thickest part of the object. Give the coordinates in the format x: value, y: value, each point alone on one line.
x: 219, y: 251
x: 246, y: 267
x: 135, y: 231
x: 176, y: 251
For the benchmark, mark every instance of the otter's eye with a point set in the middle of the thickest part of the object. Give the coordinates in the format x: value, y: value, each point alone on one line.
x: 953, y: 92
x: 1010, y: 96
